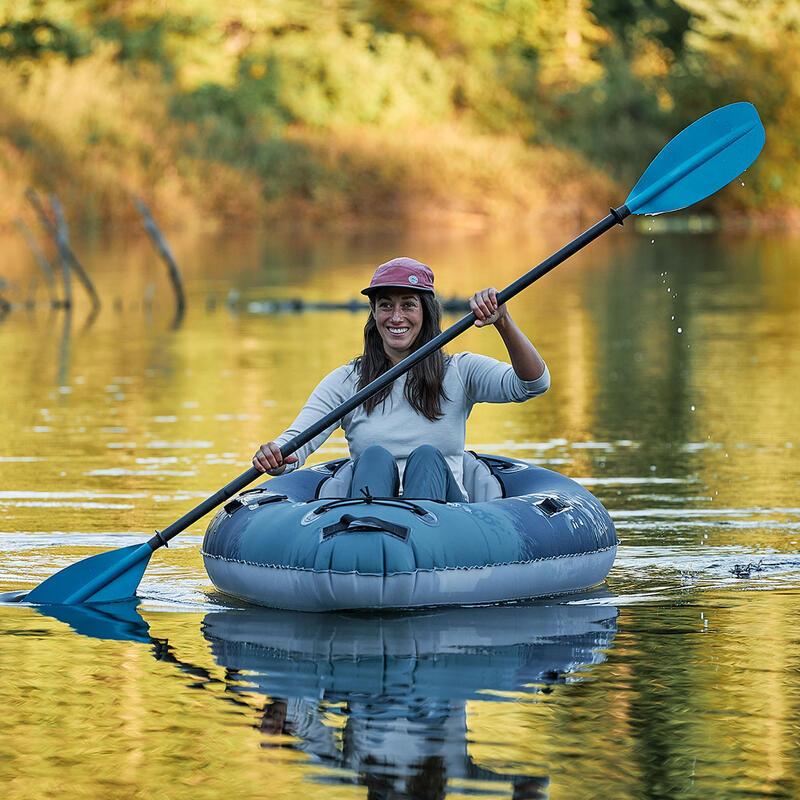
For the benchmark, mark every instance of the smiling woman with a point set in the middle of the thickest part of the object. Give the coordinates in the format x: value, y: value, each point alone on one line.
x: 398, y: 317
x: 415, y: 427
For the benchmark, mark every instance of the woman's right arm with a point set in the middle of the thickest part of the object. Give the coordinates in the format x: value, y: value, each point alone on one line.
x: 329, y: 393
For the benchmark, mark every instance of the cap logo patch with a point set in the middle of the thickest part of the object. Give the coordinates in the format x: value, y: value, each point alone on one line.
x: 413, y: 279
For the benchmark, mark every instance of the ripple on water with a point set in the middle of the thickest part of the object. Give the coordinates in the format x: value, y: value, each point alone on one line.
x: 162, y: 444
x: 123, y: 471
x: 672, y: 569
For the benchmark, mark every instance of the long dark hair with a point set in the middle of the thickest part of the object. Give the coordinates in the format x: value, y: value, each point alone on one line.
x: 424, y: 388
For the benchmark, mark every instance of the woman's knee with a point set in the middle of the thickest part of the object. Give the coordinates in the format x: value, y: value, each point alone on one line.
x: 376, y: 454
x: 375, y: 471
x: 426, y: 452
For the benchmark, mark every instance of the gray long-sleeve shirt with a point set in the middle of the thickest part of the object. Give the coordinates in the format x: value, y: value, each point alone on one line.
x: 469, y: 378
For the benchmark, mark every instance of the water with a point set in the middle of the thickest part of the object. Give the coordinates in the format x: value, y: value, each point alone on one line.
x: 678, y: 678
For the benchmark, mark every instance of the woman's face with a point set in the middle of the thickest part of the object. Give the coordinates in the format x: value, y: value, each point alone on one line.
x: 398, y: 316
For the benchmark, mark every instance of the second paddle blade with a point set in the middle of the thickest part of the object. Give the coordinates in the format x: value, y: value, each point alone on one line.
x: 102, y: 571
x: 700, y: 160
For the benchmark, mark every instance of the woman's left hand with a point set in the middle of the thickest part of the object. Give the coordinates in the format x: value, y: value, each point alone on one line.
x: 485, y: 307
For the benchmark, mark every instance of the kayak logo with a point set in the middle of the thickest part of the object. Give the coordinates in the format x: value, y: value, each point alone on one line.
x: 413, y: 279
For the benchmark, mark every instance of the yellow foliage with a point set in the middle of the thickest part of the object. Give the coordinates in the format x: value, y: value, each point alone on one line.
x: 568, y: 38
x: 434, y: 173
x: 652, y: 60
x: 421, y: 108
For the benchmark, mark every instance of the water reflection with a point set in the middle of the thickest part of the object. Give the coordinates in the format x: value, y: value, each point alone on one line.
x: 382, y: 701
x: 689, y: 439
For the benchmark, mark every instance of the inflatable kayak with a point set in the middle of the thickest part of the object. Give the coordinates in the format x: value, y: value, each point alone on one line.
x: 296, y: 542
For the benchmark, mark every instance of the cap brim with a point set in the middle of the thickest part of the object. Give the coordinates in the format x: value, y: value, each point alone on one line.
x: 371, y: 289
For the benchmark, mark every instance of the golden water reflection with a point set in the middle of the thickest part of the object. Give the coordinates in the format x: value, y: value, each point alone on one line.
x: 688, y: 437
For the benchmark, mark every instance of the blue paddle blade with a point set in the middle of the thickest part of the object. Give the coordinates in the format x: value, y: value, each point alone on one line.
x: 700, y: 160
x: 104, y: 578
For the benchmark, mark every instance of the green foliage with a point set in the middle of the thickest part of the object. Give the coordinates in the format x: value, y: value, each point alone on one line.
x: 632, y: 21
x: 33, y: 38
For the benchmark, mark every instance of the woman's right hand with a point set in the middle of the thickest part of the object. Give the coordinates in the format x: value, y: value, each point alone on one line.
x: 268, y: 459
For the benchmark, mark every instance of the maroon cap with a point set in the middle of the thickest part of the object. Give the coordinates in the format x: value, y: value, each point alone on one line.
x: 401, y: 273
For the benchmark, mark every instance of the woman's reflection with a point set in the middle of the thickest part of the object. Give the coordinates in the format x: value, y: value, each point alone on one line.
x: 408, y: 736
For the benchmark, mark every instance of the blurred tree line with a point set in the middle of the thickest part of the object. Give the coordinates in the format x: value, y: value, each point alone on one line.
x: 381, y: 107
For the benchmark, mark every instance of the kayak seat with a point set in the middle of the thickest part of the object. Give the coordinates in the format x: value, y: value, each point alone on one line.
x: 478, y: 480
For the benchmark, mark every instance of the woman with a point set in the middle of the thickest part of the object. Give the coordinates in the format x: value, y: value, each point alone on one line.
x: 416, y: 427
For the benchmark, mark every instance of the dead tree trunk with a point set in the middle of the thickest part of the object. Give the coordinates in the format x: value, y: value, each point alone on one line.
x: 60, y: 235
x: 172, y: 267
x: 41, y: 260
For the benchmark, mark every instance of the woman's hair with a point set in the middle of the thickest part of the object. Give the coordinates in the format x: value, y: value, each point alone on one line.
x: 425, y: 382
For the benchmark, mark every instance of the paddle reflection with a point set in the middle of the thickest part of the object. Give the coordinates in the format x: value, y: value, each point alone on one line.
x: 119, y: 621
x: 122, y: 622
x: 382, y: 701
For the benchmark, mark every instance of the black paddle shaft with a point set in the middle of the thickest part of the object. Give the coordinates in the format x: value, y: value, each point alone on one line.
x: 616, y: 216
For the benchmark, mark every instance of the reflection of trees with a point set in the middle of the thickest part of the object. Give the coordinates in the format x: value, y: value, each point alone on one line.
x: 643, y: 364
x: 735, y: 302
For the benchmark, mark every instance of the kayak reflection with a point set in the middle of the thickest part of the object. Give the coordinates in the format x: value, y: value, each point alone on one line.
x: 384, y: 698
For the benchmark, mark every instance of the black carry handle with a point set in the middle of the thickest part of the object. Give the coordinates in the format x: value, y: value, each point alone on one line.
x: 351, y: 523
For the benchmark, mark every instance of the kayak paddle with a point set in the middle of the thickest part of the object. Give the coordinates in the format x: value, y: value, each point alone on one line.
x: 700, y: 160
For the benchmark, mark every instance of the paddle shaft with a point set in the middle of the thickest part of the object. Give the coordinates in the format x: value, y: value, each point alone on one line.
x: 614, y: 218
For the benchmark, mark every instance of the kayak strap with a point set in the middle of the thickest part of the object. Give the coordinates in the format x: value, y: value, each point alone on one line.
x: 349, y: 524
x: 396, y: 502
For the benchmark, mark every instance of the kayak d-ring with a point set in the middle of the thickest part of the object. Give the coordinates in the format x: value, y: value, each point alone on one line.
x: 552, y: 505
x: 237, y: 502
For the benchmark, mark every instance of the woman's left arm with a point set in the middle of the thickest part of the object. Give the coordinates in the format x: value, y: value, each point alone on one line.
x: 527, y: 363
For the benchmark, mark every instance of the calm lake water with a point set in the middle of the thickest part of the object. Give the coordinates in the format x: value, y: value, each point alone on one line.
x: 676, y: 370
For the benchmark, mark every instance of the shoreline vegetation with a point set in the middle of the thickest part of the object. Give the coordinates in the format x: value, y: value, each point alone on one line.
x: 355, y: 113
